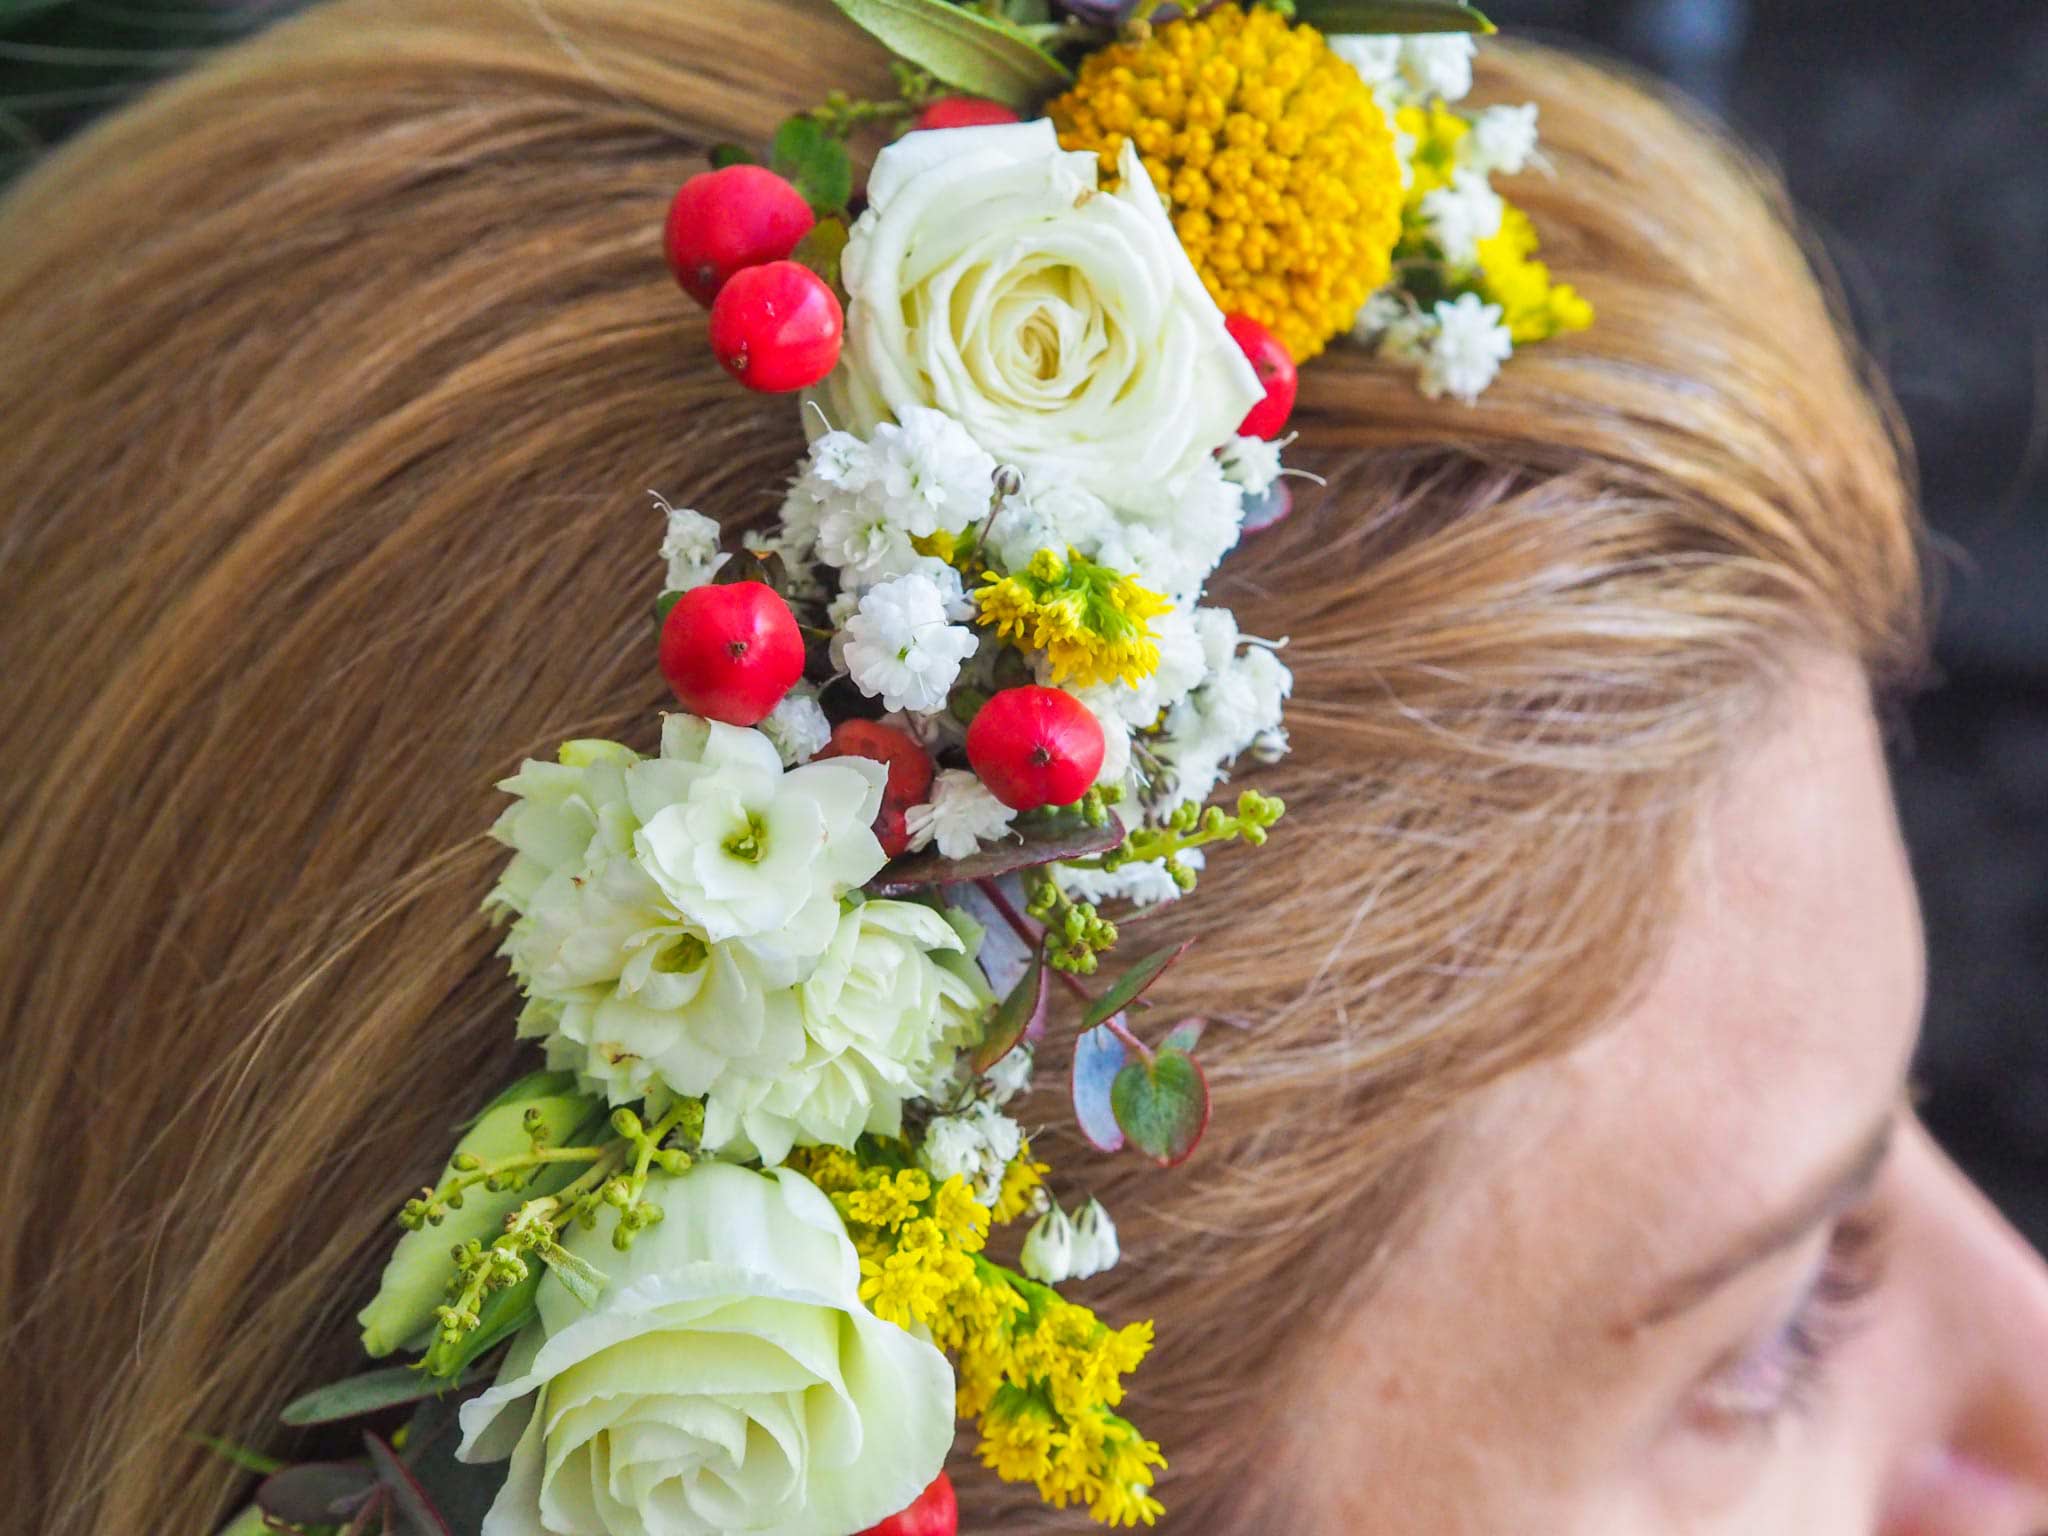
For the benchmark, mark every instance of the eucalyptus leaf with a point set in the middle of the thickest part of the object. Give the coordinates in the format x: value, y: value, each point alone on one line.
x: 1128, y: 987
x: 968, y: 51
x: 1162, y: 1105
x: 814, y: 161
x: 1098, y: 1058
x: 360, y: 1396
x: 317, y: 1493
x: 1184, y: 1036
x: 412, y: 1512
x: 1014, y: 1015
x: 462, y: 1491
x: 1038, y: 842
x: 1385, y: 17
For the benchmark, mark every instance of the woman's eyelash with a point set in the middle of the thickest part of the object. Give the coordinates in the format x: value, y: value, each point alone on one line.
x: 1780, y: 1375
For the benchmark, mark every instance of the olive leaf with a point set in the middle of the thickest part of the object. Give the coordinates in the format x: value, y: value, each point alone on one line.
x: 813, y: 160
x: 1040, y: 842
x: 580, y: 1278
x: 316, y: 1493
x: 1132, y: 984
x: 1391, y: 16
x: 1014, y: 1015
x: 1099, y: 1058
x: 1162, y: 1105
x: 968, y: 51
x: 359, y: 1396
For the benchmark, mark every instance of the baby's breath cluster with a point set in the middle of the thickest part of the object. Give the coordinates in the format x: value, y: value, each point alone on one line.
x: 1276, y: 160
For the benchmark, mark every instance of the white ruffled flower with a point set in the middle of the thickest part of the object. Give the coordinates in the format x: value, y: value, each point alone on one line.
x: 797, y: 725
x: 1048, y: 1254
x: 900, y: 649
x: 1503, y: 140
x: 1465, y: 354
x: 1438, y: 65
x: 1060, y: 325
x: 689, y: 548
x: 874, y: 1013
x: 1096, y: 1250
x: 729, y: 1381
x: 1252, y: 463
x: 1461, y: 215
x: 960, y: 816
x: 977, y: 1145
x: 860, y: 504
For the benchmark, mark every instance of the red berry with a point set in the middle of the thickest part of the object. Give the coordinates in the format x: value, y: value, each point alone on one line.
x: 892, y: 830
x: 776, y: 328
x: 723, y: 221
x: 1274, y: 365
x: 1034, y: 747
x: 936, y: 1513
x: 909, y: 765
x: 965, y: 112
x: 731, y: 652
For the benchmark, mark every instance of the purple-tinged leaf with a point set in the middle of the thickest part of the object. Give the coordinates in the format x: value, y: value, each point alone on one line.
x: 1162, y: 1105
x: 1132, y: 984
x: 1068, y: 837
x: 1005, y: 953
x: 1098, y: 1057
x: 413, y: 1513
x: 1013, y: 1016
x: 360, y: 1396
x: 317, y: 1493
x: 1269, y: 508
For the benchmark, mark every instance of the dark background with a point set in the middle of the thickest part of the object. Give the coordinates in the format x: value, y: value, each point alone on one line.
x: 1914, y: 133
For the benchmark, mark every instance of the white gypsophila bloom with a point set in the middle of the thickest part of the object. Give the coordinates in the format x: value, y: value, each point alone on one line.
x: 1048, y: 1255
x: 1182, y: 666
x: 689, y: 548
x: 960, y: 816
x: 1252, y: 463
x: 1175, y: 537
x: 900, y: 649
x: 1470, y: 344
x: 863, y: 506
x: 729, y: 1380
x: 797, y: 726
x: 1461, y: 215
x: 1376, y: 58
x: 977, y: 1144
x: 666, y: 908
x: 1378, y: 315
x: 875, y: 1011
x: 1242, y: 701
x: 1010, y: 1078
x: 1060, y: 324
x: 1217, y: 634
x: 1096, y: 1250
x: 1116, y: 736
x: 1502, y: 140
x: 1050, y: 512
x: 1144, y: 883
x: 1438, y: 65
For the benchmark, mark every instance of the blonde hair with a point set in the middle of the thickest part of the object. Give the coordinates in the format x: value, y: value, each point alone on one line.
x: 335, y: 373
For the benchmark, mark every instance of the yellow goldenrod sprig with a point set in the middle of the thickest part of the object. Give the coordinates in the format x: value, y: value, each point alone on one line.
x: 1092, y: 623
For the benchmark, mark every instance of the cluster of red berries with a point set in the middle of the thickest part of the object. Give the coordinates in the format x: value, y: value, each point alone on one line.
x: 733, y: 651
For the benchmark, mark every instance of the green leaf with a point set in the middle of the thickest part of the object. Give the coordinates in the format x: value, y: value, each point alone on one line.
x: 316, y: 1492
x: 746, y: 565
x: 970, y: 52
x: 1184, y: 1036
x: 723, y: 155
x: 503, y: 1314
x: 580, y: 1278
x: 821, y: 249
x: 535, y: 1085
x: 1129, y: 985
x: 662, y: 604
x: 371, y: 1392
x: 814, y: 161
x: 1041, y: 841
x: 1162, y: 1105
x: 240, y: 1455
x: 1391, y: 16
x: 1013, y: 1015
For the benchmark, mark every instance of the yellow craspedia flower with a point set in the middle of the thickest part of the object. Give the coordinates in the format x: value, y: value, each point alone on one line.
x: 1274, y: 158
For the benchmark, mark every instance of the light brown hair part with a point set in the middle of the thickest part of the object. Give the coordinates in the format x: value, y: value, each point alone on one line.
x: 333, y: 376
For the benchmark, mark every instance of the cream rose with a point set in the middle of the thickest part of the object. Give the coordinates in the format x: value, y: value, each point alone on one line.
x: 1061, y: 326
x: 729, y: 1381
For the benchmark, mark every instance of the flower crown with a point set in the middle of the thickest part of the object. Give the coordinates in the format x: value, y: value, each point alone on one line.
x: 724, y: 1263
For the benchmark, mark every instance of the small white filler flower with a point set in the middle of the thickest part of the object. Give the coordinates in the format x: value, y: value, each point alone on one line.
x: 900, y: 647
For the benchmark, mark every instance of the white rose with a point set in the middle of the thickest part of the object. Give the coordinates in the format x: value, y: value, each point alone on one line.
x: 729, y: 1381
x: 1063, y: 327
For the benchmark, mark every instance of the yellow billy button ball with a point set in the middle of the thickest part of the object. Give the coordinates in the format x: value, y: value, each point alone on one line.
x: 1274, y: 158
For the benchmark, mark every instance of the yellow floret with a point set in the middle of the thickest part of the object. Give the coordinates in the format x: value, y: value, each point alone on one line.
x: 1275, y: 159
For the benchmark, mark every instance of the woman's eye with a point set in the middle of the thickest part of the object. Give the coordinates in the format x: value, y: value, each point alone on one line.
x: 1780, y: 1374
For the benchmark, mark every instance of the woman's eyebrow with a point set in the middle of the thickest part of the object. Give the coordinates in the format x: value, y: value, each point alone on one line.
x: 1846, y: 1182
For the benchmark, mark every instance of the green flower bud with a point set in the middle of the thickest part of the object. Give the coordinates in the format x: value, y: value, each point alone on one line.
x: 404, y: 1311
